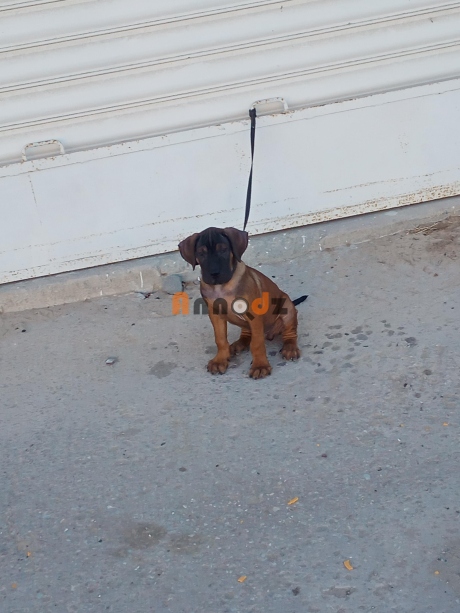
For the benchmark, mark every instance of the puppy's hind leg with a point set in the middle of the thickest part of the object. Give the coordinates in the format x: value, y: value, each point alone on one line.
x: 242, y: 344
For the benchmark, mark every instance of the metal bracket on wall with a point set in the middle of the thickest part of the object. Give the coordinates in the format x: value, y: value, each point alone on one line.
x: 42, y: 149
x: 270, y: 106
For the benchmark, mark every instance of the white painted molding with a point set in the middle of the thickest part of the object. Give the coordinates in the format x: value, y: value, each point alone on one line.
x: 208, y: 63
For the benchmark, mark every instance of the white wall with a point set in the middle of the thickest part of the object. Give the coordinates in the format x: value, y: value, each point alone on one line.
x: 138, y: 199
x: 149, y: 100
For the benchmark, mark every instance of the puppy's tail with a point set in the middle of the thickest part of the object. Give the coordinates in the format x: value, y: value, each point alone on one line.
x: 299, y: 300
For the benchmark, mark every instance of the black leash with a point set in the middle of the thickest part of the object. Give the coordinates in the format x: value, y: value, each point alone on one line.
x: 252, y: 115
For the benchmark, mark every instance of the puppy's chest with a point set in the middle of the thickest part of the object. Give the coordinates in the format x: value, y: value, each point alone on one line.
x: 221, y: 300
x: 217, y: 292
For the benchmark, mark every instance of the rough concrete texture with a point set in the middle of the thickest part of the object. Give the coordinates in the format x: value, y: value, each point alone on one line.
x: 150, y: 485
x: 149, y: 274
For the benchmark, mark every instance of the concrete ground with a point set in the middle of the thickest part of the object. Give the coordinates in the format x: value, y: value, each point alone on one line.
x: 149, y: 485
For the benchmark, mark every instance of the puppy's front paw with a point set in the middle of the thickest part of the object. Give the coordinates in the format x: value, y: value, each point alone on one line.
x: 217, y: 366
x: 290, y: 351
x: 260, y: 370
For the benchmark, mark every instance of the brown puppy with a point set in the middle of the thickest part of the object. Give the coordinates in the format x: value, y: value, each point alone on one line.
x: 242, y: 296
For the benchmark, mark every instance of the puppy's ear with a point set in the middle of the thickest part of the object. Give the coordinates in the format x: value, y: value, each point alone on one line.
x: 187, y: 249
x: 238, y: 240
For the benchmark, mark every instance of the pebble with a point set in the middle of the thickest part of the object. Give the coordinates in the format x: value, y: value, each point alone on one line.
x: 172, y: 284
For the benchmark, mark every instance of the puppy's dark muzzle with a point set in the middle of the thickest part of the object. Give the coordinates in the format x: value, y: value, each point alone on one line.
x: 217, y: 278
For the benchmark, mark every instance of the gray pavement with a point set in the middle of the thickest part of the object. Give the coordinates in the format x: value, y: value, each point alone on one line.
x: 151, y: 486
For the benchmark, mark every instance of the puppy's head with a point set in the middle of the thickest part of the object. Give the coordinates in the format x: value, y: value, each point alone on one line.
x: 217, y: 251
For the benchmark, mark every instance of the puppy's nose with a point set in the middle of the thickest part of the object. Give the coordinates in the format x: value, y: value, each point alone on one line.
x: 215, y: 280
